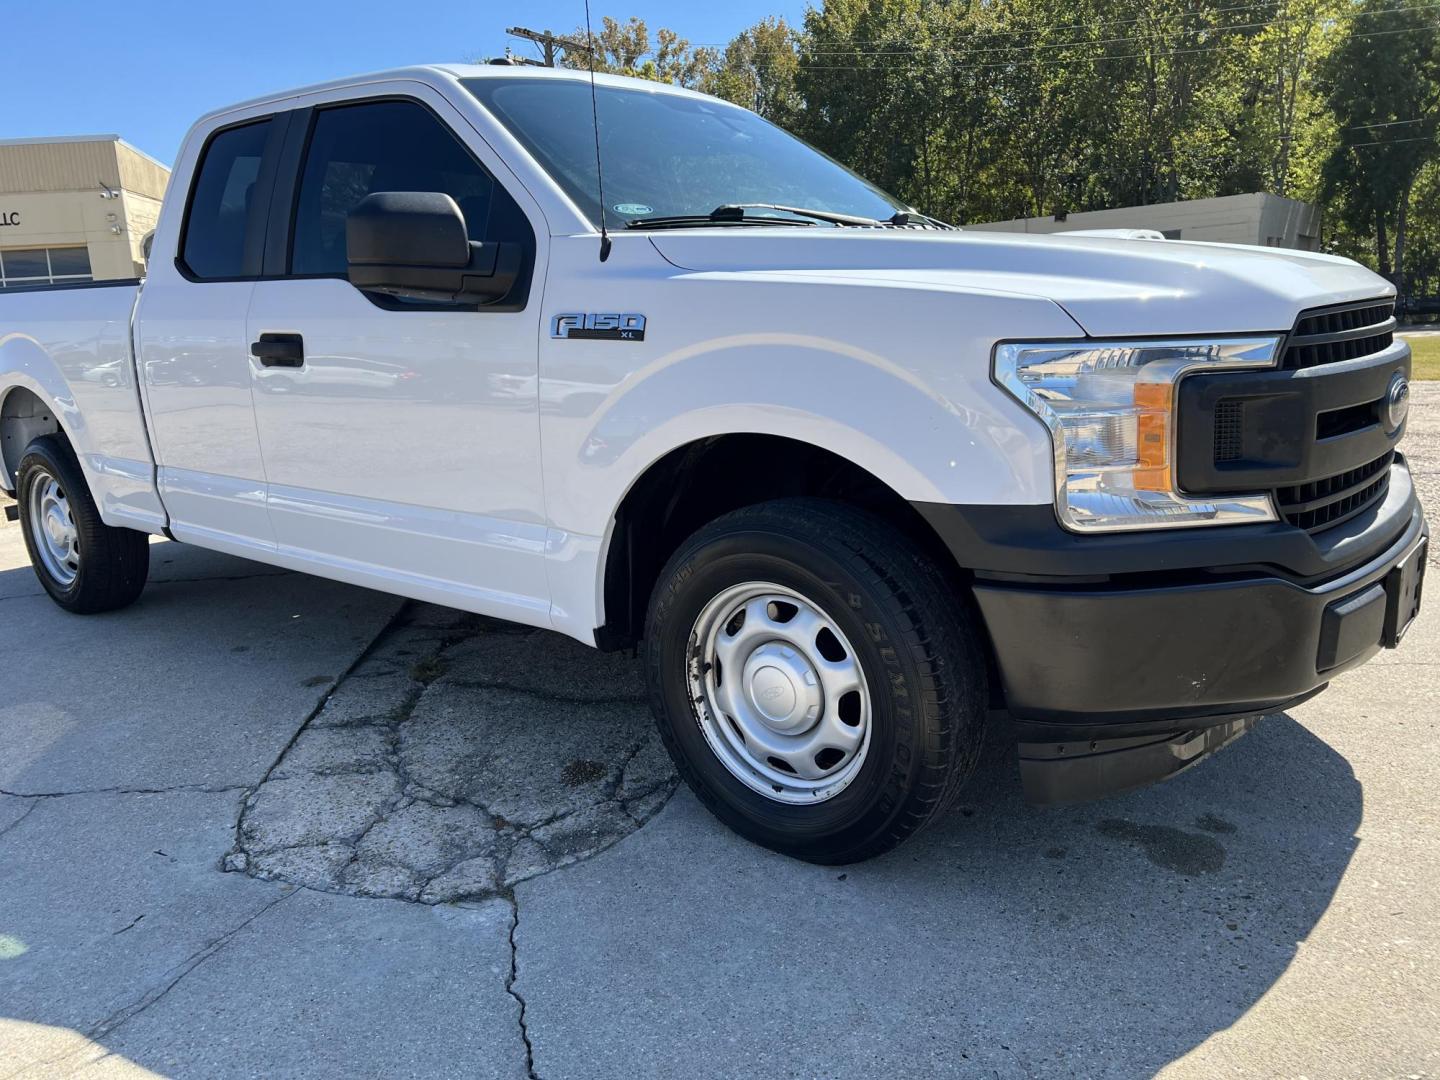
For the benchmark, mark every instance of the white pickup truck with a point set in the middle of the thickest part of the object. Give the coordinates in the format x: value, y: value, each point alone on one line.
x: 864, y: 485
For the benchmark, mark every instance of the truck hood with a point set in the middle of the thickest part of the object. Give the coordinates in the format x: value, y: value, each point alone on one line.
x: 1110, y: 286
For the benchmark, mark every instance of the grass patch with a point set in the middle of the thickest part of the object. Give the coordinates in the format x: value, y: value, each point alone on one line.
x: 1426, y: 354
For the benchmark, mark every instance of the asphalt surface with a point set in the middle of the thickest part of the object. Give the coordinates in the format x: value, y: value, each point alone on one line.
x: 264, y: 825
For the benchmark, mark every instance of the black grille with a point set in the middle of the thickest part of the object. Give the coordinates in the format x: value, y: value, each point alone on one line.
x: 1329, y: 335
x: 1229, y: 429
x: 1322, y: 503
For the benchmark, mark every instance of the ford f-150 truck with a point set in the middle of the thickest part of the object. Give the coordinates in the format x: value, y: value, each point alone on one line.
x: 861, y: 486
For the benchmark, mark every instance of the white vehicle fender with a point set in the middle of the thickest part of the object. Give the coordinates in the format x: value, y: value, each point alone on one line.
x: 28, y: 366
x: 967, y: 443
x: 77, y: 362
x: 830, y: 395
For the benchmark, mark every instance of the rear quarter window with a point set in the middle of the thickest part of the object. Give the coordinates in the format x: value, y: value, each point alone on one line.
x: 222, y: 202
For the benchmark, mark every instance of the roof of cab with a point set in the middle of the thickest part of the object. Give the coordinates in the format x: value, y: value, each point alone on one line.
x: 440, y: 74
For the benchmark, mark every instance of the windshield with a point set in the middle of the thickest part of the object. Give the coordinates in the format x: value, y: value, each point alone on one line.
x: 667, y: 155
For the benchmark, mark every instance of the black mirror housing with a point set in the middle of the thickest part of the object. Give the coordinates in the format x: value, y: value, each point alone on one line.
x: 414, y: 245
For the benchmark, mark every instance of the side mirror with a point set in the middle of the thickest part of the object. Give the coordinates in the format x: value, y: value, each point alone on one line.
x: 414, y: 244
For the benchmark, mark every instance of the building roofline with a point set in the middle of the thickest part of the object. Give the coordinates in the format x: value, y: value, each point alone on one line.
x: 60, y: 139
x: 41, y: 140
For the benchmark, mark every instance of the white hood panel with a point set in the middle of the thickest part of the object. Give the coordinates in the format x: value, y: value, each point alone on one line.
x: 1112, y: 287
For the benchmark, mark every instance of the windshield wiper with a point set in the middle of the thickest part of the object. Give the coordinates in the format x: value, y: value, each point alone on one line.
x: 736, y: 211
x: 906, y: 218
x: 702, y: 221
x: 900, y: 219
x: 738, y: 214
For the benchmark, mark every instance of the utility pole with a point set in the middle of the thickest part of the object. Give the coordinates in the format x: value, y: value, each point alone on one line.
x: 547, y: 41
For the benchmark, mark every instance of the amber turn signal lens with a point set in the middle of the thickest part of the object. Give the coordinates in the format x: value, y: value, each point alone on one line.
x: 1152, y: 436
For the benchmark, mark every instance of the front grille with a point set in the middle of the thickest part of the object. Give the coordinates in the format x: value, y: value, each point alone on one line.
x: 1344, y: 332
x: 1323, y: 503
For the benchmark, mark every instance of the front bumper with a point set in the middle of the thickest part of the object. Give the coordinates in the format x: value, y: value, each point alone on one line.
x: 1141, y: 651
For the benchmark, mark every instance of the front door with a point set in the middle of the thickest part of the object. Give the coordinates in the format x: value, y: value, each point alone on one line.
x: 401, y: 440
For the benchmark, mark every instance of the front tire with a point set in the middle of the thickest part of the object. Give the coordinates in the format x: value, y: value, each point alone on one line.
x: 816, y: 679
x: 85, y: 565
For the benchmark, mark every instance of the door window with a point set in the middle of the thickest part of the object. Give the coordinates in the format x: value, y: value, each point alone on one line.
x: 356, y: 150
x: 221, y: 202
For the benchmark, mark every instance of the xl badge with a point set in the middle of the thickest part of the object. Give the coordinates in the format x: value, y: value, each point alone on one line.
x: 599, y: 327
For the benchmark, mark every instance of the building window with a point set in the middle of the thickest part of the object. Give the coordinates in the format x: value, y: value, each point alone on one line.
x: 44, y: 266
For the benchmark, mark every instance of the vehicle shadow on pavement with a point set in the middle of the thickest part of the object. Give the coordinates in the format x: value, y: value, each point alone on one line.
x: 1106, y: 939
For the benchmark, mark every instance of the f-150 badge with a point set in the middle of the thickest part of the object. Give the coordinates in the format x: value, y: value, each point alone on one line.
x: 598, y: 327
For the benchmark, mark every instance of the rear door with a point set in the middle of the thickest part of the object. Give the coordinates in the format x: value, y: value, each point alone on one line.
x: 191, y: 345
x: 401, y: 440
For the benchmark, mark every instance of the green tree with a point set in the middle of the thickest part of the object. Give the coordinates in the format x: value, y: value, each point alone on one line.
x: 874, y: 96
x: 758, y: 70
x: 626, y: 49
x: 1382, y: 84
x: 977, y: 110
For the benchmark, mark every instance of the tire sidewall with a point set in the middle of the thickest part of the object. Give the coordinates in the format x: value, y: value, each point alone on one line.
x: 865, y: 809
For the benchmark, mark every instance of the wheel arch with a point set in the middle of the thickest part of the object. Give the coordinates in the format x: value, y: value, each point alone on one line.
x: 25, y: 414
x: 700, y: 480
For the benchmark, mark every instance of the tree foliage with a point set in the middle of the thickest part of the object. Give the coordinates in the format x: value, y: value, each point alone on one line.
x: 625, y: 49
x: 1382, y: 83
x: 977, y: 110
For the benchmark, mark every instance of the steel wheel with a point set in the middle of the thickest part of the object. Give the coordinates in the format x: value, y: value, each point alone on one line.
x: 779, y: 693
x: 52, y: 527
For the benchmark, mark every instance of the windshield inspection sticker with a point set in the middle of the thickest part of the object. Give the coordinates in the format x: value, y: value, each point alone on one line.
x: 635, y: 208
x: 598, y: 327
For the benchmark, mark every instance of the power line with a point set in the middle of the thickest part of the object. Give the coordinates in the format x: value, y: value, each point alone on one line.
x: 1072, y: 26
x: 911, y: 65
x: 1390, y: 123
x: 1387, y: 142
x: 1181, y: 15
x: 1217, y: 28
x: 548, y: 42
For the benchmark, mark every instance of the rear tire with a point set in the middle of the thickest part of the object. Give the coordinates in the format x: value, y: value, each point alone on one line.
x: 771, y: 620
x: 85, y: 565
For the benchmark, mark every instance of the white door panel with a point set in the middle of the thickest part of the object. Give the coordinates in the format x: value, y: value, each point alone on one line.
x: 210, y: 508
x: 462, y: 559
x: 194, y: 361
x: 407, y: 443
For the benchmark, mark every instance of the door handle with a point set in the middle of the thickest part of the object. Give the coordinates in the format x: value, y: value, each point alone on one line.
x: 279, y: 350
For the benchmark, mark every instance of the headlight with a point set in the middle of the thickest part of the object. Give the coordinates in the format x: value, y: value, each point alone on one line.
x: 1110, y: 407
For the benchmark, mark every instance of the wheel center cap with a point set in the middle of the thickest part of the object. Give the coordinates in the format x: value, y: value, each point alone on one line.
x: 55, y: 527
x: 773, y: 692
x: 782, y: 686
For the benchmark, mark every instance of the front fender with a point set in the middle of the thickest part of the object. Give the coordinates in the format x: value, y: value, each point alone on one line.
x: 968, y: 443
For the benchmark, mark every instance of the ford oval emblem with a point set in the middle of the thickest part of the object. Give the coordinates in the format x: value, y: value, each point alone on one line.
x: 1397, y: 401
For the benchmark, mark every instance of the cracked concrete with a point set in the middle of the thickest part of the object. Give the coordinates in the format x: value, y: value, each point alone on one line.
x: 1266, y: 914
x: 510, y: 979
x: 450, y: 764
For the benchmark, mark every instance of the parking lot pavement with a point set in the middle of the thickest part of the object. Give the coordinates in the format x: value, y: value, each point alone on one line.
x: 261, y: 824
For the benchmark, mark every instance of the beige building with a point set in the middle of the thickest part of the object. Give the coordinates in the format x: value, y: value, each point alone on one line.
x: 75, y: 208
x: 1267, y: 220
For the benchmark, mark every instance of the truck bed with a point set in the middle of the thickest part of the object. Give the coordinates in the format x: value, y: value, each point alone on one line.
x: 71, y: 345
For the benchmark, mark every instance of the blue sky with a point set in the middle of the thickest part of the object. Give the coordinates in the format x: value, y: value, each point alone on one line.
x: 147, y: 68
